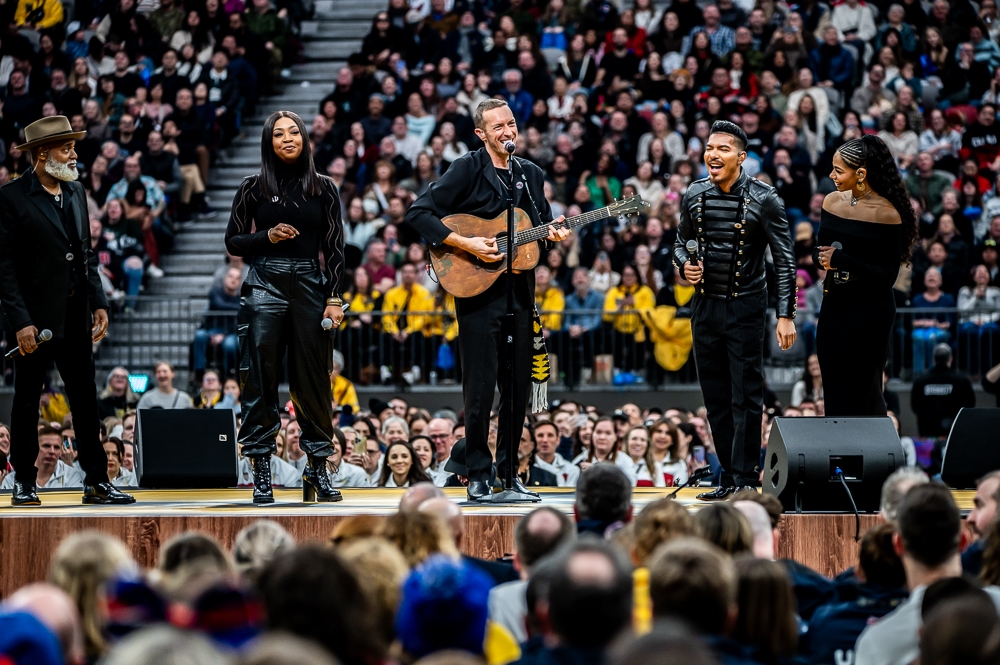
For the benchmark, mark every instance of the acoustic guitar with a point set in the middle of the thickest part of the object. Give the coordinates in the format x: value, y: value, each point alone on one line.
x: 463, y: 274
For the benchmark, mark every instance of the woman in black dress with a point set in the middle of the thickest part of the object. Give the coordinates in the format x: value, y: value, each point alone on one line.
x: 282, y: 219
x: 867, y: 229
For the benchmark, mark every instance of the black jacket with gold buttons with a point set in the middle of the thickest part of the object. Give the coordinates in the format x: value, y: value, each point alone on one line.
x: 733, y: 231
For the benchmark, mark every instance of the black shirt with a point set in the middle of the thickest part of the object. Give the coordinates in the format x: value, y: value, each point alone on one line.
x: 316, y: 218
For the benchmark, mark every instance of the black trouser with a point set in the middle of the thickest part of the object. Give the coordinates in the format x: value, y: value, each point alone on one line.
x: 729, y: 350
x: 481, y: 346
x: 73, y: 356
x: 282, y: 309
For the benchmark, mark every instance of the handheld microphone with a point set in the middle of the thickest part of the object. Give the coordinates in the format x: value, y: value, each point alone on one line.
x: 43, y: 336
x: 327, y: 323
x: 692, y: 248
x: 836, y: 245
x: 510, y: 147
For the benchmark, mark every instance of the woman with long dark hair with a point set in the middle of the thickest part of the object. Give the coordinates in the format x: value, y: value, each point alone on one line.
x: 286, y: 295
x: 402, y: 467
x: 867, y: 230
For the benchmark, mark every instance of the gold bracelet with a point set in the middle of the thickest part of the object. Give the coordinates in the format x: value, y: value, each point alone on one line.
x: 335, y: 302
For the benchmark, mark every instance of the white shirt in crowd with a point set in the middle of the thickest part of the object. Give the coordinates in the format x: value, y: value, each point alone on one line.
x: 622, y: 461
x: 64, y: 477
x: 156, y: 398
x: 566, y: 473
x: 283, y: 474
x: 508, y: 607
x: 300, y: 463
x: 348, y: 475
x: 438, y: 475
x: 125, y: 478
x: 676, y: 470
x: 895, y: 638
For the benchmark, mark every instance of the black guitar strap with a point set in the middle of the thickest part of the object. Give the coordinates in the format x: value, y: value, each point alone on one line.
x: 528, y: 189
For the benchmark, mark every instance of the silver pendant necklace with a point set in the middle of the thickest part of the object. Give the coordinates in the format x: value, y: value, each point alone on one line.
x: 854, y: 200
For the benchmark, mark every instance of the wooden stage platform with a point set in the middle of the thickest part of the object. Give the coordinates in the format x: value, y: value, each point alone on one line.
x: 28, y: 536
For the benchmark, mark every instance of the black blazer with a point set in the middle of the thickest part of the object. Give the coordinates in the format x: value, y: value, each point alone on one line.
x: 471, y: 186
x: 34, y: 268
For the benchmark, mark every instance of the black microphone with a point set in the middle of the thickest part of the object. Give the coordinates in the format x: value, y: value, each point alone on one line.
x: 510, y: 147
x: 696, y: 476
x: 837, y: 245
x: 43, y: 336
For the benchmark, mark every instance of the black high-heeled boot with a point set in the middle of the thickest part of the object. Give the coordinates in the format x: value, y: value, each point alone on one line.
x: 262, y: 490
x: 316, y: 483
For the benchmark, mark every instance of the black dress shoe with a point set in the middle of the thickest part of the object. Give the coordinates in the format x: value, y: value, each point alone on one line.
x: 105, y: 493
x: 479, y: 489
x: 745, y: 488
x: 718, y: 494
x: 260, y: 465
x: 316, y: 483
x: 519, y: 487
x: 24, y: 495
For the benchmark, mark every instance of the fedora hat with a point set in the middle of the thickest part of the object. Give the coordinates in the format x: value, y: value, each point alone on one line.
x: 47, y: 130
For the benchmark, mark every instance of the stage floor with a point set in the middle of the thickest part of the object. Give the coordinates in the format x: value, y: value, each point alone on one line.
x: 29, y: 535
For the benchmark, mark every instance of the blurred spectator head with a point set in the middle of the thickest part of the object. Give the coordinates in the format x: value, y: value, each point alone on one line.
x: 929, y: 527
x: 56, y: 610
x: 538, y: 534
x: 603, y: 495
x: 895, y: 488
x: 695, y: 581
x: 381, y: 569
x: 310, y: 582
x: 878, y: 563
x: 257, y: 544
x: 417, y: 535
x: 766, y: 618
x: 760, y: 525
x: 590, y: 594
x: 82, y: 564
x: 657, y: 523
x: 160, y: 645
x: 723, y: 525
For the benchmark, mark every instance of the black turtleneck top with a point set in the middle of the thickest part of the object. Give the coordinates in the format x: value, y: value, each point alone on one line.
x: 317, y: 219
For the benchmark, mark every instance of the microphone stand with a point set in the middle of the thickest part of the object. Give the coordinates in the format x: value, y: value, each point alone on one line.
x: 509, y: 494
x: 697, y: 476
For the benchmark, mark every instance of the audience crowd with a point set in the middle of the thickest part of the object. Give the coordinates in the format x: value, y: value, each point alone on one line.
x: 611, y: 585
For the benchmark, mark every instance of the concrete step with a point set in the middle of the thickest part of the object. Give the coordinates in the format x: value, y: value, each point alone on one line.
x: 180, y: 285
x: 211, y: 246
x: 350, y: 30
x: 328, y: 51
x: 140, y: 332
x: 317, y: 71
x: 141, y: 357
x: 190, y: 264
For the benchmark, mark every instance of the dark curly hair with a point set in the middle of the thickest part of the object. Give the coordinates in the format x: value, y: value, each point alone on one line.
x: 872, y: 153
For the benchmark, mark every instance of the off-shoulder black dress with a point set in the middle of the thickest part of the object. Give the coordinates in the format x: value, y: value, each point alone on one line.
x: 855, y: 322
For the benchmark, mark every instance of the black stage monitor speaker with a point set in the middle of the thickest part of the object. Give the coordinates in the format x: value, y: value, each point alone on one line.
x: 972, y: 450
x: 803, y: 455
x: 187, y: 448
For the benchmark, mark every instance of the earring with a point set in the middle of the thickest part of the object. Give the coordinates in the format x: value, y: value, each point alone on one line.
x: 861, y: 184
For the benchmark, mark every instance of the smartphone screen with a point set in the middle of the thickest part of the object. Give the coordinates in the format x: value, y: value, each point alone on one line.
x: 699, y: 454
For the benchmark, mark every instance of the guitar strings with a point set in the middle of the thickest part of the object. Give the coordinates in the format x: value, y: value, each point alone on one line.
x: 540, y: 232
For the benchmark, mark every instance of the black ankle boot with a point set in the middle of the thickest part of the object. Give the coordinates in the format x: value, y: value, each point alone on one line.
x: 24, y: 495
x: 262, y: 491
x: 316, y: 483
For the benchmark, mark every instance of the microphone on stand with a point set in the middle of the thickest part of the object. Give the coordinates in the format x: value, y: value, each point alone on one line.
x: 696, y: 476
x: 43, y: 336
x: 510, y: 147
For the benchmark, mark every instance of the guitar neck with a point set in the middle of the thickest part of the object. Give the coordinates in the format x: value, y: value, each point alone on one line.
x: 537, y: 233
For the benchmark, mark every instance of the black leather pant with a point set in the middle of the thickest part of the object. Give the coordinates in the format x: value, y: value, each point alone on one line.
x: 281, y: 310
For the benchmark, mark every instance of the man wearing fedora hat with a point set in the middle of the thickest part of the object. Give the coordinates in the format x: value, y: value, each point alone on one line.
x: 49, y: 281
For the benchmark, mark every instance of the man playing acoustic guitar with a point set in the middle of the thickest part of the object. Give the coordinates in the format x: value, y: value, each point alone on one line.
x: 478, y: 184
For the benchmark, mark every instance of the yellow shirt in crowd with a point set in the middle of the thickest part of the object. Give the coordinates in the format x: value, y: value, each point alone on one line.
x: 399, y: 299
x: 443, y: 323
x: 642, y: 298
x: 344, y: 393
x: 551, y: 300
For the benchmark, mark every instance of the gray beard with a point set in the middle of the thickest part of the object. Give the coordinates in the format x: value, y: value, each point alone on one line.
x: 61, y: 170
